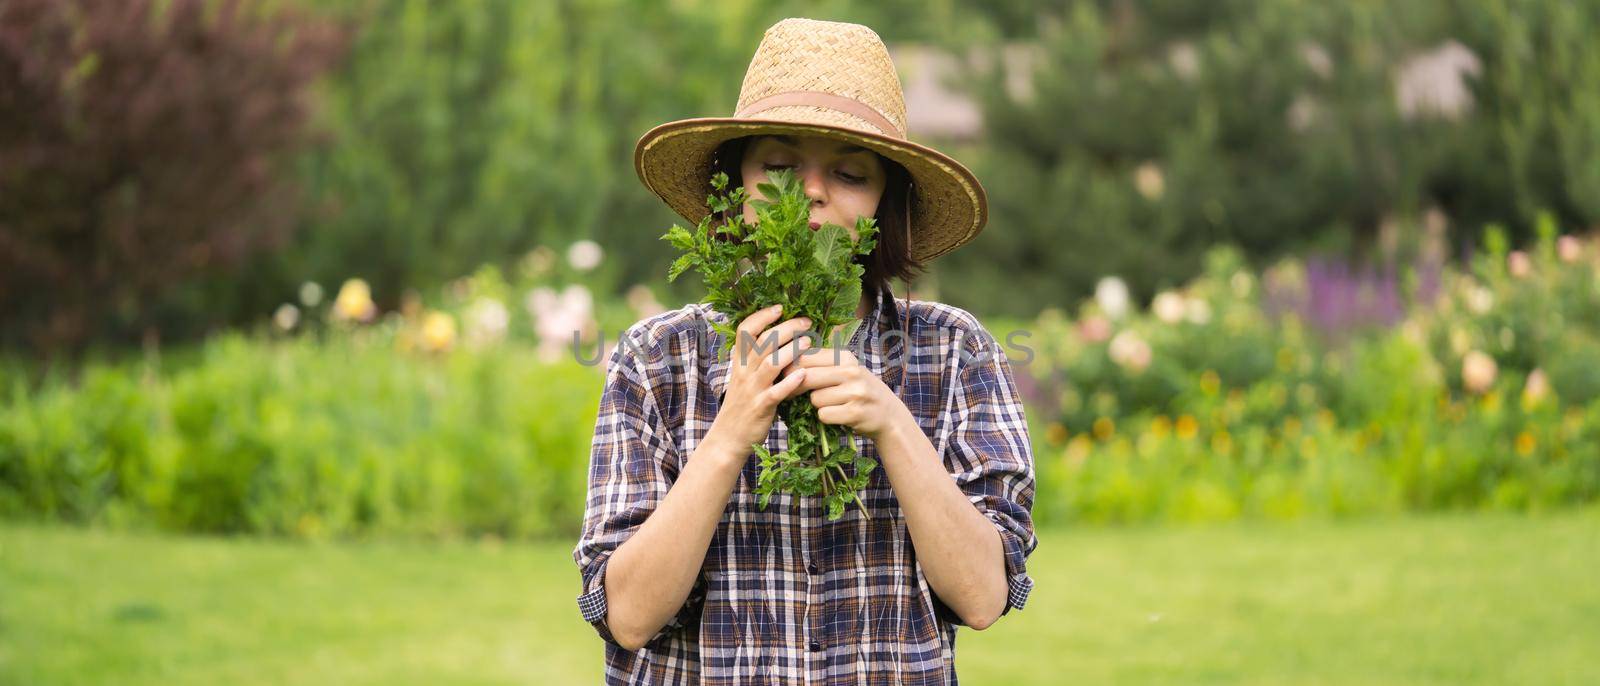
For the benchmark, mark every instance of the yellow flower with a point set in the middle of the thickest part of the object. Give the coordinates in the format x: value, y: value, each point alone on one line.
x: 1491, y: 402
x: 1055, y: 433
x: 1308, y: 448
x: 1187, y: 427
x: 1210, y: 383
x: 1161, y: 426
x: 1103, y: 428
x: 1325, y: 417
x: 438, y: 331
x: 1526, y: 444
x: 1077, y: 450
x: 354, y: 302
x: 1222, y: 442
x: 1572, y: 421
x: 1291, y: 427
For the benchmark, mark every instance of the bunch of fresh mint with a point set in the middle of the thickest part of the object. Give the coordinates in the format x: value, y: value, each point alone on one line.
x: 812, y: 273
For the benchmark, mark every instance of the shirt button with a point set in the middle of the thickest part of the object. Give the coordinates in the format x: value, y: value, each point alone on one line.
x: 811, y: 567
x: 816, y: 647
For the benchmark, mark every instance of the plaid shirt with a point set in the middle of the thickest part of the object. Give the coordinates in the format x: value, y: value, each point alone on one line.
x: 784, y: 595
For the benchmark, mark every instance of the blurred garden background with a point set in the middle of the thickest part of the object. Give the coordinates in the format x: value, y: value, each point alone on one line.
x: 288, y: 290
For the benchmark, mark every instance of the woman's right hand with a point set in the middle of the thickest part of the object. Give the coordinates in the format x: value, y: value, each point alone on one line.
x: 750, y: 401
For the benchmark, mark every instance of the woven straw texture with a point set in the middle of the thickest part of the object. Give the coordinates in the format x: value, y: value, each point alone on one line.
x: 949, y: 206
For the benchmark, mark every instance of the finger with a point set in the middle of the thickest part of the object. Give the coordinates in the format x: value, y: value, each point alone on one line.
x: 836, y: 414
x: 785, y: 388
x: 752, y: 348
x: 832, y: 395
x: 759, y: 320
x: 792, y: 384
x: 822, y: 377
x: 789, y: 330
x: 827, y: 357
x: 784, y: 357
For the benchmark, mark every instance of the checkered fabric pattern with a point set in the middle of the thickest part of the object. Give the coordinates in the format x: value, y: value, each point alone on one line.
x: 786, y: 596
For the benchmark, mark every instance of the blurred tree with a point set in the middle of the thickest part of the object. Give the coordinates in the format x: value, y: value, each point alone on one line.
x: 138, y: 148
x: 1131, y: 135
x: 1137, y: 134
x: 472, y: 132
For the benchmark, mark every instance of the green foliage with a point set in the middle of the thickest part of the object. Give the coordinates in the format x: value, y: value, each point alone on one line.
x: 813, y: 274
x: 308, y: 438
x: 1244, y: 413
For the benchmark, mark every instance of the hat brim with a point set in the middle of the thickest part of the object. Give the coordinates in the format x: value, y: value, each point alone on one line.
x: 949, y: 207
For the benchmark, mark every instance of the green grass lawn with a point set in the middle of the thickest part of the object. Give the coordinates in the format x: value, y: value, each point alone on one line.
x: 1446, y: 600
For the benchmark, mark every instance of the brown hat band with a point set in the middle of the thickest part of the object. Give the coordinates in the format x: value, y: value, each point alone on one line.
x: 830, y: 101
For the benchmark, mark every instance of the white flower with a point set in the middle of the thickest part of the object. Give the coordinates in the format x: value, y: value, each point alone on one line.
x: 1480, y: 299
x: 538, y: 261
x: 310, y: 294
x: 286, y: 316
x: 1199, y: 311
x: 1303, y: 112
x: 1112, y: 295
x: 1242, y: 283
x: 643, y: 301
x: 558, y: 315
x: 1130, y: 352
x: 1168, y: 307
x: 540, y: 300
x: 584, y: 255
x: 1185, y: 60
x: 1434, y: 83
x: 1317, y: 58
x: 487, y: 321
x: 1149, y: 181
x: 577, y: 299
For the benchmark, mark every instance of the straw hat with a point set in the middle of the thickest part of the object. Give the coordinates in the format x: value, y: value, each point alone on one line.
x: 819, y: 78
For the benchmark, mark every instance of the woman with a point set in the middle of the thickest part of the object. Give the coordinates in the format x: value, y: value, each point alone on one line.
x: 685, y: 578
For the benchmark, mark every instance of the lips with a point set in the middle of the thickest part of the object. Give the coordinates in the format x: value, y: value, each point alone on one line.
x: 816, y: 225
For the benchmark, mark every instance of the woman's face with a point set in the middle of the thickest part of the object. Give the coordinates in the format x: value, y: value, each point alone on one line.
x: 844, y: 181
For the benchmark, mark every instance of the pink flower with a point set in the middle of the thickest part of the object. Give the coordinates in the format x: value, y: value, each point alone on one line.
x: 1478, y: 371
x: 1130, y: 352
x: 1537, y: 388
x: 1569, y: 248
x: 1094, y: 329
x: 1518, y: 264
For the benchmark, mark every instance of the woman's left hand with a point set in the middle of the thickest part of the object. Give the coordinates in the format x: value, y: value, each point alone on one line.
x: 847, y: 393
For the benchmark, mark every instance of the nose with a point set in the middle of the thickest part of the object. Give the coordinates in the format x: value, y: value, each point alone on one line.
x: 814, y: 178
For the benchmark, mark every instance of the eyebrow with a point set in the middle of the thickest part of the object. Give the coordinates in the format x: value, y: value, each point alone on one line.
x: 843, y: 149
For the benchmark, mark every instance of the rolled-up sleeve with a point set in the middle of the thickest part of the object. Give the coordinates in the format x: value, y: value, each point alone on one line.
x: 631, y: 466
x: 989, y: 455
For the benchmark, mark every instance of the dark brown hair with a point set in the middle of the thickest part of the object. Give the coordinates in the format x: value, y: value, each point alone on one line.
x: 891, y: 259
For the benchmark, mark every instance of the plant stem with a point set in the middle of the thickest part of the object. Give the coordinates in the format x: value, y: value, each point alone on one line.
x: 853, y: 496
